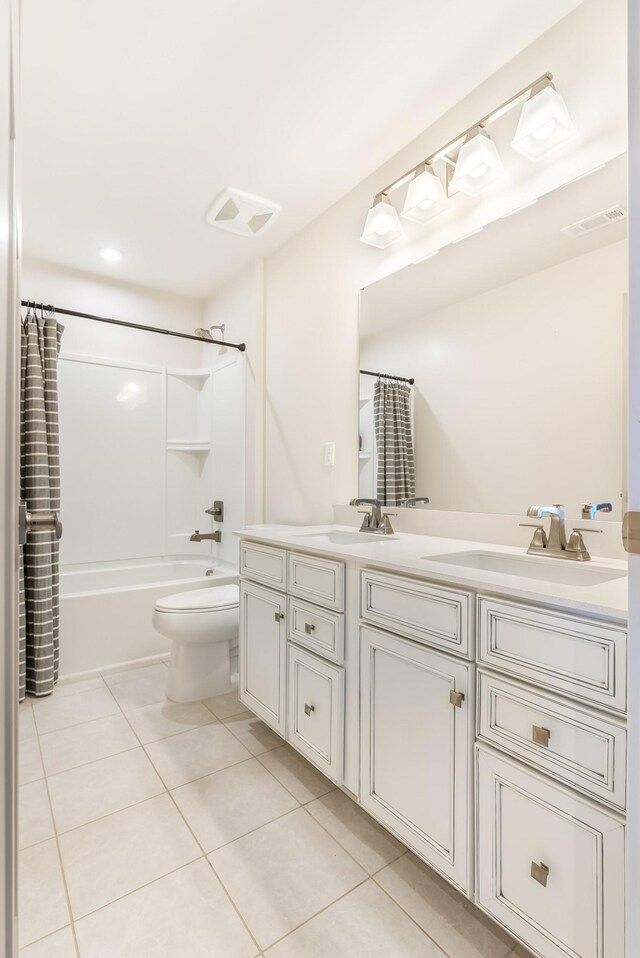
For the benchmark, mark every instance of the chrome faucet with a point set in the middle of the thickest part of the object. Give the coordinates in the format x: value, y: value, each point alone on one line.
x: 412, y: 501
x: 590, y: 511
x: 201, y: 536
x: 376, y: 522
x: 555, y: 544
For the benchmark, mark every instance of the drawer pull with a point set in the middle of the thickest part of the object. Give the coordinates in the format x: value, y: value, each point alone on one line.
x: 278, y: 616
x: 456, y: 698
x: 540, y: 873
x: 308, y: 709
x: 540, y: 735
x: 308, y: 628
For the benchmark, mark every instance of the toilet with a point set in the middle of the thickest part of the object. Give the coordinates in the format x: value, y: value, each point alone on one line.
x: 203, y: 626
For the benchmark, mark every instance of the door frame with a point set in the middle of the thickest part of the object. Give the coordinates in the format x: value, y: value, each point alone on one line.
x: 9, y: 459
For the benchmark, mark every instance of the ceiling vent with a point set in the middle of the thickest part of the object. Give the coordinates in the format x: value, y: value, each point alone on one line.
x: 595, y: 222
x: 242, y: 213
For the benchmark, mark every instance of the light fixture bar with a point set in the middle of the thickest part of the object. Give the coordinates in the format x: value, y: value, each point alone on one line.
x: 443, y: 151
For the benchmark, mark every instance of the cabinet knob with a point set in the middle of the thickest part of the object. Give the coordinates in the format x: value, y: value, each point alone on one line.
x: 279, y: 616
x: 540, y: 873
x: 309, y: 628
x: 308, y: 709
x: 456, y: 698
x: 540, y: 735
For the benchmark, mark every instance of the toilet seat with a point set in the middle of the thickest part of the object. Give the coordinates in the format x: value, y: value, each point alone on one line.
x: 219, y: 597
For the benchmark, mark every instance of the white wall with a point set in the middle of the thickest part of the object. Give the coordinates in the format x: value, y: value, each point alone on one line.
x: 312, y: 283
x: 518, y: 395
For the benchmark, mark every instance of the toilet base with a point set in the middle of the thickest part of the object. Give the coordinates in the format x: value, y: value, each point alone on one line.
x: 198, y: 671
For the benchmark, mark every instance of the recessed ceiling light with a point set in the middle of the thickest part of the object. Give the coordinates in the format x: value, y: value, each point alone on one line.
x: 111, y: 255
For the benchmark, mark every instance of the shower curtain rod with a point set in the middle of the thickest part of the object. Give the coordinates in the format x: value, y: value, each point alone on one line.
x: 402, y: 379
x: 121, y: 322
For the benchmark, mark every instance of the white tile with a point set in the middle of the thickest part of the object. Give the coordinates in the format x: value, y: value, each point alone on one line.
x: 83, y: 794
x: 59, y: 945
x: 57, y: 712
x: 190, y: 755
x: 296, y: 774
x: 72, y: 686
x: 450, y: 919
x: 254, y: 734
x: 41, y: 895
x: 112, y: 857
x: 89, y: 742
x: 168, y: 718
x: 184, y: 915
x: 230, y: 803
x: 145, y: 690
x: 29, y: 761
x: 371, y: 845
x: 284, y: 873
x: 26, y: 723
x: 132, y: 673
x: 34, y: 814
x: 363, y: 924
x: 224, y: 706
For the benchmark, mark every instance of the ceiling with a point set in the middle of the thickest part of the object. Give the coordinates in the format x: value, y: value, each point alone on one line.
x: 136, y: 113
x: 507, y: 249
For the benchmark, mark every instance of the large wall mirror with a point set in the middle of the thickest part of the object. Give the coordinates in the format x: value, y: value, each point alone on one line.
x: 515, y: 341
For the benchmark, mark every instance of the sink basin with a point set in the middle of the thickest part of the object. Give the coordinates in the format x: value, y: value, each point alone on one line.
x: 563, y: 571
x: 336, y: 537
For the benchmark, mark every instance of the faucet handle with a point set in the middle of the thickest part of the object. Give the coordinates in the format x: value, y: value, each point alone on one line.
x: 576, y: 529
x: 539, y: 540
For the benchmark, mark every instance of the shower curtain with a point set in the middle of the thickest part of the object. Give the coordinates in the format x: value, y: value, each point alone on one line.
x: 394, y: 443
x: 40, y: 488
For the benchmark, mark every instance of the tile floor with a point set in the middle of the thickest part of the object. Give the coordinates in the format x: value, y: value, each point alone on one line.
x: 155, y: 830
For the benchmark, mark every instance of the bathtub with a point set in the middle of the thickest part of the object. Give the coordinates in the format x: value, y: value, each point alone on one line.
x: 105, y: 608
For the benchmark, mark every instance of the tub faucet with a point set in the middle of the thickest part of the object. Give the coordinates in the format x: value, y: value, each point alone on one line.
x: 201, y: 536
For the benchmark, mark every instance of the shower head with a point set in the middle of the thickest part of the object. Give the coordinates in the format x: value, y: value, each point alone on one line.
x: 206, y: 333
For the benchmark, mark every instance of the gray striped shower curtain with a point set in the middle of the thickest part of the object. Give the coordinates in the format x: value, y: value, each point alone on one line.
x: 40, y: 488
x: 394, y: 443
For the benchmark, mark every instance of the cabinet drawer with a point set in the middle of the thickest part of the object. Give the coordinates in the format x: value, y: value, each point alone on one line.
x: 317, y: 580
x: 316, y: 711
x: 317, y: 629
x: 419, y: 610
x: 263, y: 564
x: 571, y: 744
x: 579, y: 657
x: 550, y: 865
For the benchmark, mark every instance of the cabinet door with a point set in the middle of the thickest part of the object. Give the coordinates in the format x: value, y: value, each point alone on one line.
x: 316, y: 711
x: 550, y: 864
x: 416, y: 749
x: 262, y: 654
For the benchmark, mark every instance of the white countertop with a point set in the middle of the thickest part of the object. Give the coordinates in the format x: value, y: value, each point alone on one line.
x: 406, y: 552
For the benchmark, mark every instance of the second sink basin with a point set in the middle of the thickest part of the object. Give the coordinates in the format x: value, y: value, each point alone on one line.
x: 336, y: 537
x: 564, y: 571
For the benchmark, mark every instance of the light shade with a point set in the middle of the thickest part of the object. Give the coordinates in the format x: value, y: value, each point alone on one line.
x: 544, y: 124
x: 478, y: 165
x: 382, y: 226
x: 425, y: 196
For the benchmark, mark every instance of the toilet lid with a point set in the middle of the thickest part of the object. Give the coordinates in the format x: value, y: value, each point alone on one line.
x: 201, y: 600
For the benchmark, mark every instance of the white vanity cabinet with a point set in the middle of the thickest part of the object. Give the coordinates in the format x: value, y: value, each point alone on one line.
x: 263, y: 654
x: 417, y: 720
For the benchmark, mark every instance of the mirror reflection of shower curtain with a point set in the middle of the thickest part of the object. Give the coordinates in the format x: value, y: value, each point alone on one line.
x: 394, y: 443
x: 40, y: 488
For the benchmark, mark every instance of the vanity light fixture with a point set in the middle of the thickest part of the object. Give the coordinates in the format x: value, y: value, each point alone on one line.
x: 472, y: 162
x: 478, y: 165
x: 544, y: 123
x: 425, y: 197
x: 110, y: 255
x: 382, y: 226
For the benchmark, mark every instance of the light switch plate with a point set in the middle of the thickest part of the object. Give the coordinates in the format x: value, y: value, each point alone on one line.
x: 329, y: 456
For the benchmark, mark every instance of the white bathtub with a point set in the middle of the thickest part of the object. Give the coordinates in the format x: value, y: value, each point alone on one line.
x: 106, y: 608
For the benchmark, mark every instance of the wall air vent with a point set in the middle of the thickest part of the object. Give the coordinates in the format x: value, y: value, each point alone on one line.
x: 242, y: 213
x: 595, y: 222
